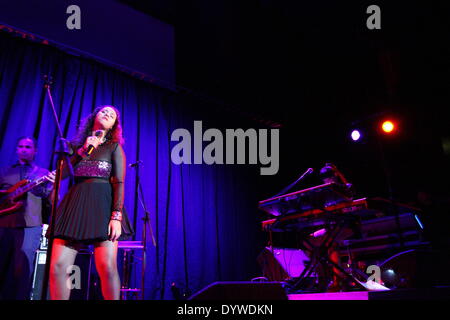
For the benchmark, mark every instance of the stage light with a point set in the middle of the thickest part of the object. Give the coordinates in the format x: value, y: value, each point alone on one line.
x: 388, y: 126
x: 356, y: 135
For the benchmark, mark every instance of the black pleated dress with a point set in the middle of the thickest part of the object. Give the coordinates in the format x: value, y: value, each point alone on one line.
x: 85, y: 211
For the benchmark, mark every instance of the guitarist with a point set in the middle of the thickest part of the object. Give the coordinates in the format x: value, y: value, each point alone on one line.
x: 20, y: 230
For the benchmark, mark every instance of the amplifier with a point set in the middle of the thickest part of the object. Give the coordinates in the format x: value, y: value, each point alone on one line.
x: 83, y: 262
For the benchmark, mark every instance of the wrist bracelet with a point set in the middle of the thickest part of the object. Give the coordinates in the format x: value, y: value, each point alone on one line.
x: 116, y: 215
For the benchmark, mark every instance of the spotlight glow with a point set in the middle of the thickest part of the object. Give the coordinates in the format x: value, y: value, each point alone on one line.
x: 388, y: 126
x: 356, y: 135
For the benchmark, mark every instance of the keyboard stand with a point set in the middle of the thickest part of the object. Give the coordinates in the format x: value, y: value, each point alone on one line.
x: 319, y: 253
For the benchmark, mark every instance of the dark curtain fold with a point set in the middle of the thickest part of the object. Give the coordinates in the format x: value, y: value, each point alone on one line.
x: 204, y: 218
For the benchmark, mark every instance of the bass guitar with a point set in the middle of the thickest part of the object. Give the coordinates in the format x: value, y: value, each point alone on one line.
x: 11, y: 199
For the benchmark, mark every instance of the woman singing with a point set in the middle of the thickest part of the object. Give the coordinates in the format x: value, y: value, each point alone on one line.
x: 92, y: 210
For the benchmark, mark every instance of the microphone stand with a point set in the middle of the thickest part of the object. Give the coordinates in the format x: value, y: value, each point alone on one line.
x: 62, y: 150
x: 146, y: 220
x: 309, y: 171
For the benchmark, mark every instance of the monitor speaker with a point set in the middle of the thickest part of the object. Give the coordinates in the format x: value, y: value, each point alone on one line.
x: 417, y: 268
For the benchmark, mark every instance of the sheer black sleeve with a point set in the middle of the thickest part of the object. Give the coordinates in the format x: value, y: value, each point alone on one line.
x: 118, y: 177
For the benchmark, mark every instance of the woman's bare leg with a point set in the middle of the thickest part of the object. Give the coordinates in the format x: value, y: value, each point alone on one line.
x: 63, y: 256
x: 105, y: 254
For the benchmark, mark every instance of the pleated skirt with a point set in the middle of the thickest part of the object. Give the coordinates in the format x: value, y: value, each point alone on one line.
x: 84, y: 214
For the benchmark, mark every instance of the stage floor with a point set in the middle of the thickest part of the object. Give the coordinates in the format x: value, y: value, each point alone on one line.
x: 357, y: 295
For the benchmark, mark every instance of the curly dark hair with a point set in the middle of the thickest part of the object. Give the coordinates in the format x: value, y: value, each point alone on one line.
x: 85, y: 128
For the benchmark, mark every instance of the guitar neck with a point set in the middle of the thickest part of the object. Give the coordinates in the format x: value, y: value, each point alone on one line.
x: 29, y: 186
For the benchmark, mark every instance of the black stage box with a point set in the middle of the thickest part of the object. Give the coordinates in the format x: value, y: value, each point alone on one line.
x: 241, y: 290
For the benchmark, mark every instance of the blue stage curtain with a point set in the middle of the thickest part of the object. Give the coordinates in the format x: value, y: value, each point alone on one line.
x: 204, y: 218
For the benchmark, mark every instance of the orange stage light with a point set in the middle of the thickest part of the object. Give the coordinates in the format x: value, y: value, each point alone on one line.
x: 388, y: 126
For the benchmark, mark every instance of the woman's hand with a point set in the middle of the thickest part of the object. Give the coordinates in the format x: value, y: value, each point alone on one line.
x: 114, y: 230
x: 92, y: 141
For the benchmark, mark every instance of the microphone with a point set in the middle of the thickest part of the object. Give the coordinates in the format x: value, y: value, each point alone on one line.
x: 91, y: 148
x: 136, y: 164
x: 307, y: 172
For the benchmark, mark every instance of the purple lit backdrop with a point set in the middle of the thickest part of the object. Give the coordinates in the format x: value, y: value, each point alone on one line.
x: 110, y: 30
x: 204, y: 217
